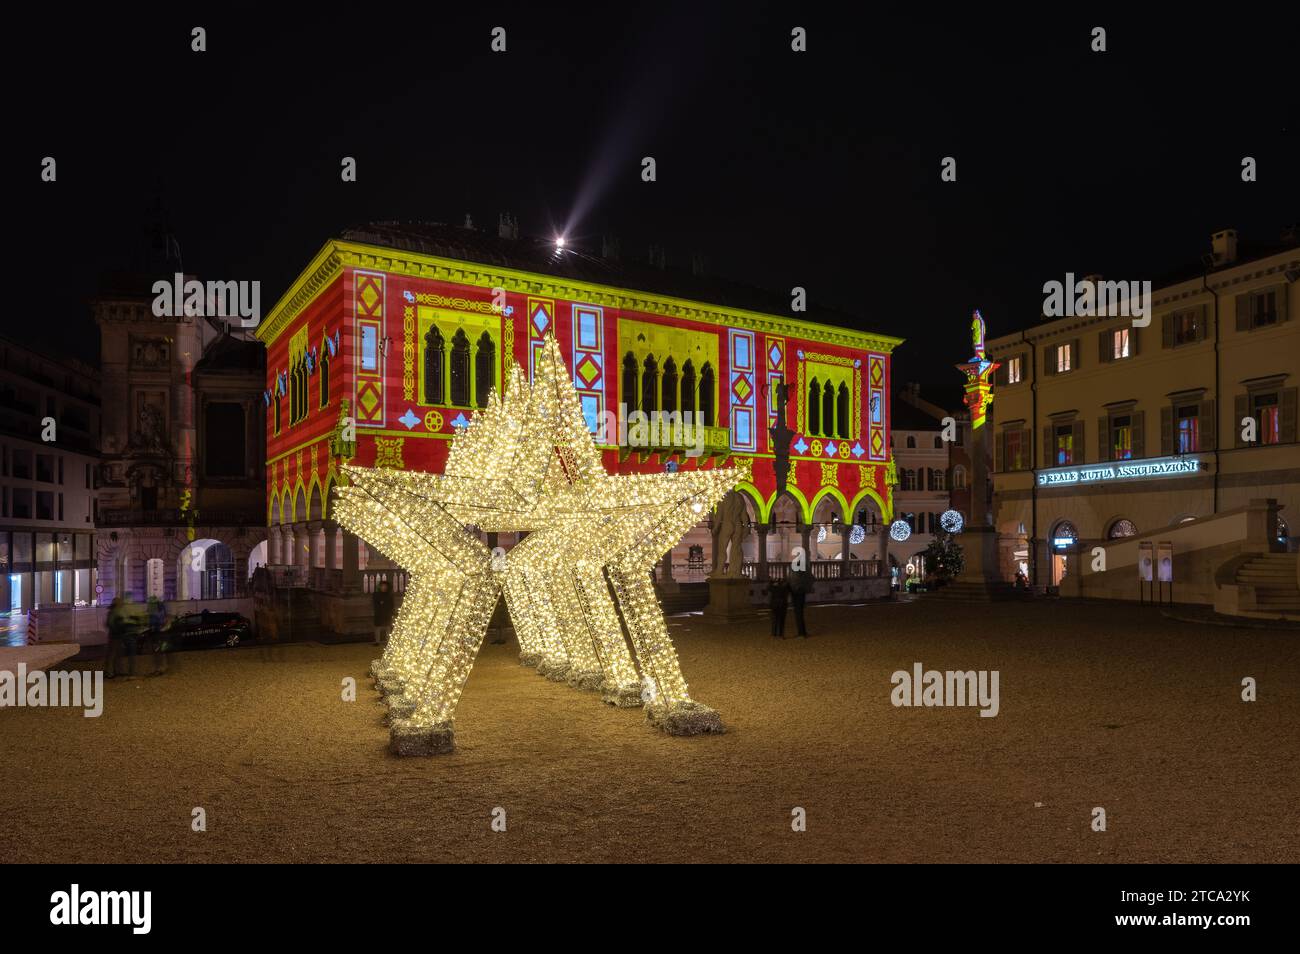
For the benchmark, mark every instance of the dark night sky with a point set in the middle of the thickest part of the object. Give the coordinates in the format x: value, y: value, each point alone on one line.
x: 819, y: 169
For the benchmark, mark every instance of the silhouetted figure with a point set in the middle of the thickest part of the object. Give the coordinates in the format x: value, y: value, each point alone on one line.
x: 382, y: 601
x: 801, y: 584
x: 778, y: 594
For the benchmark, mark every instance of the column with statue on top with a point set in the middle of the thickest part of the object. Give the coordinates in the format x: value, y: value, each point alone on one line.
x: 979, y: 537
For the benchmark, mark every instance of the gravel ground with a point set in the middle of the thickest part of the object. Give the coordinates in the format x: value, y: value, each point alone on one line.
x: 1101, y: 705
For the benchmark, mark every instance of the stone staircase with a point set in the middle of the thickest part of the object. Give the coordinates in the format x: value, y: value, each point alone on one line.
x: 1271, y: 579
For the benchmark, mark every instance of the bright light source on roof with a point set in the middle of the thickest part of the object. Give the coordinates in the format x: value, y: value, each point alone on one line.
x: 559, y: 241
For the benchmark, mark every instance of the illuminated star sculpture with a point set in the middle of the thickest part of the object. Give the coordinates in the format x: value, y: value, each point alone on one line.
x: 573, y: 585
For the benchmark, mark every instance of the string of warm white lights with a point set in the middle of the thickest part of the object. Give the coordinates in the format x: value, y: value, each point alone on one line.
x: 572, y: 586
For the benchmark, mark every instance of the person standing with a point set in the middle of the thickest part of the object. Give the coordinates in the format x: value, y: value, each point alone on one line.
x: 157, y: 617
x: 382, y: 602
x: 114, y: 624
x: 778, y: 595
x: 801, y: 584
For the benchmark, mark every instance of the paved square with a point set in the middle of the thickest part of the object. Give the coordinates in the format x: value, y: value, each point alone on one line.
x: 1101, y: 705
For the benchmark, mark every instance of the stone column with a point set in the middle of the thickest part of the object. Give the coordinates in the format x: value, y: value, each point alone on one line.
x: 846, y: 552
x: 762, y: 551
x: 273, y: 546
x: 884, y: 549
x: 351, y: 562
x: 313, y: 545
x: 331, y: 545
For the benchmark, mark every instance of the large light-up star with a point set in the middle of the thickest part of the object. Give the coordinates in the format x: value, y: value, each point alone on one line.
x: 572, y: 586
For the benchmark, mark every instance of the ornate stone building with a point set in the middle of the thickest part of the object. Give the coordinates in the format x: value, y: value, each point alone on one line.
x: 181, y: 495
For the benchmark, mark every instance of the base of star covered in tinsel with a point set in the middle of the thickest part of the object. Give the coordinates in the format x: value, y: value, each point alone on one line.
x: 410, y: 738
x: 686, y: 717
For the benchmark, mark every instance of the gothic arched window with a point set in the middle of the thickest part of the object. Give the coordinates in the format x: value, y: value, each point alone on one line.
x: 484, y: 368
x: 814, y: 407
x: 828, y: 410
x: 706, y: 395
x: 460, y: 369
x: 324, y: 377
x: 842, y: 411
x: 650, y: 385
x: 629, y: 382
x: 669, y: 400
x: 435, y: 359
x: 688, y: 389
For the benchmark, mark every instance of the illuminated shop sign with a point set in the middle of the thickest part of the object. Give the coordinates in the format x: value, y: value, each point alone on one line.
x: 1120, y: 470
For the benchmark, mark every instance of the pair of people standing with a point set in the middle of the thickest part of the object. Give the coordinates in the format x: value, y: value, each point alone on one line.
x: 794, y: 589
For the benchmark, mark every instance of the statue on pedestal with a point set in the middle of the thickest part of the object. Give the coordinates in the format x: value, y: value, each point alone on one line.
x: 730, y: 527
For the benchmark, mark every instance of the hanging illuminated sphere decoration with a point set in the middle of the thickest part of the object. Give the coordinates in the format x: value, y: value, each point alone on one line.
x: 857, y: 535
x: 899, y: 530
x: 572, y: 586
x: 951, y: 521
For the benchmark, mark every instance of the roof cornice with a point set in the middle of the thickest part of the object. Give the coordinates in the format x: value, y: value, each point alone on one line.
x: 338, y: 254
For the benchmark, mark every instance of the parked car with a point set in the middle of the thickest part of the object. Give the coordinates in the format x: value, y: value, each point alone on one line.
x: 195, y: 630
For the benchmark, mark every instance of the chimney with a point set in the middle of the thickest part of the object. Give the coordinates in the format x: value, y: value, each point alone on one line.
x: 1224, y: 244
x: 699, y: 264
x: 609, y: 247
x: 507, y: 226
x: 657, y: 258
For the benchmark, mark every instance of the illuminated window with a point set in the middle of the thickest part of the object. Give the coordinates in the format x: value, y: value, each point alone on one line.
x: 1120, y: 343
x: 1121, y: 438
x: 1122, y: 528
x: 1062, y: 358
x: 1188, y: 429
x: 1013, y: 450
x: 1186, y: 329
x: 1014, y: 371
x: 1268, y: 417
x: 1064, y: 445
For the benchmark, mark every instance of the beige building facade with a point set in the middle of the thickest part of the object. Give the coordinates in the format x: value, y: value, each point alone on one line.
x: 1107, y: 428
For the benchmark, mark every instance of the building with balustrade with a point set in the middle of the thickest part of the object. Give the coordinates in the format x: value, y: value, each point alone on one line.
x: 403, y: 330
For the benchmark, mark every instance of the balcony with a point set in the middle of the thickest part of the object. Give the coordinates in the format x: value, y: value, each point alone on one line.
x: 671, y: 442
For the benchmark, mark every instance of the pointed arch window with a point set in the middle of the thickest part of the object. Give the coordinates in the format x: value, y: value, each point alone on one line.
x: 324, y: 377
x: 669, y: 400
x: 688, y: 389
x: 460, y: 369
x: 707, y: 396
x: 842, y: 411
x: 435, y: 359
x: 814, y: 407
x: 484, y: 369
x: 828, y: 410
x: 629, y: 382
x: 650, y: 385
